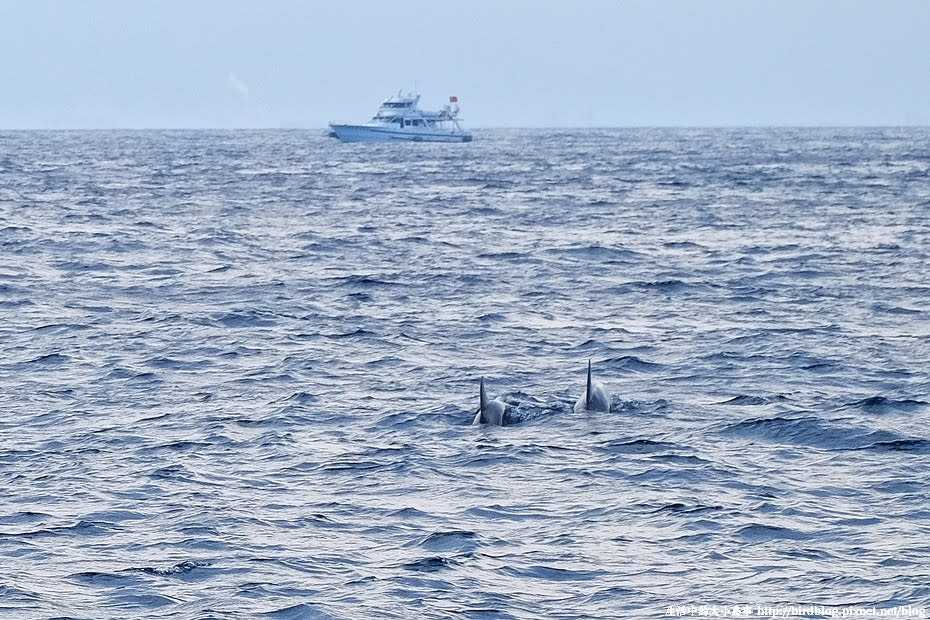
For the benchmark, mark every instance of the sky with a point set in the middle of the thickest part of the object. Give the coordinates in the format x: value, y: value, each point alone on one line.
x: 512, y: 63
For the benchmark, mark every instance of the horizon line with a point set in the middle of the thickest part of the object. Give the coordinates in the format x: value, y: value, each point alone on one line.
x: 486, y: 128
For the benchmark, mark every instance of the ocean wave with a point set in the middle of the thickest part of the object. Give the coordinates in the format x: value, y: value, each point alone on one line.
x: 239, y: 372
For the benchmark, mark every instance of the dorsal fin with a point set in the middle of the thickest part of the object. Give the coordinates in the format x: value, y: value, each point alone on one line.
x: 483, y: 402
x: 588, y: 390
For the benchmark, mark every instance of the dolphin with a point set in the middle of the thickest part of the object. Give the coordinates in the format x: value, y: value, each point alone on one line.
x: 594, y: 397
x: 489, y: 411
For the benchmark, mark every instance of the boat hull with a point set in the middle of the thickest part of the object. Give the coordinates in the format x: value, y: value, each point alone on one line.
x: 374, y: 133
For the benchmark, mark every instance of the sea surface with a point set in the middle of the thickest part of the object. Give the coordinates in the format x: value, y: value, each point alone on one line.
x: 238, y: 372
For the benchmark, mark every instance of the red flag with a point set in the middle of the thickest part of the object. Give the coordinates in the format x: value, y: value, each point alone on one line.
x: 453, y: 99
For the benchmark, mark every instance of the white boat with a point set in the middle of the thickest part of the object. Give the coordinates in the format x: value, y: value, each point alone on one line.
x: 399, y: 119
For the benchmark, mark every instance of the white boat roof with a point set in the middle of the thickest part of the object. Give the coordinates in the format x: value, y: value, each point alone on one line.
x: 405, y: 106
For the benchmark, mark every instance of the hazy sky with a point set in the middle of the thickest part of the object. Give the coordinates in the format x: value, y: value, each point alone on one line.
x: 512, y: 63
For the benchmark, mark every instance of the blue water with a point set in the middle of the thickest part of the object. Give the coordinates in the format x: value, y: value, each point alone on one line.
x: 238, y: 371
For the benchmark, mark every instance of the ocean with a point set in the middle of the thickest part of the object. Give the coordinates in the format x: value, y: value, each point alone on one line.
x: 239, y: 369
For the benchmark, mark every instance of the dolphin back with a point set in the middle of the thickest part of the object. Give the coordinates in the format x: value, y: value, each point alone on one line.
x: 594, y: 397
x: 489, y: 411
